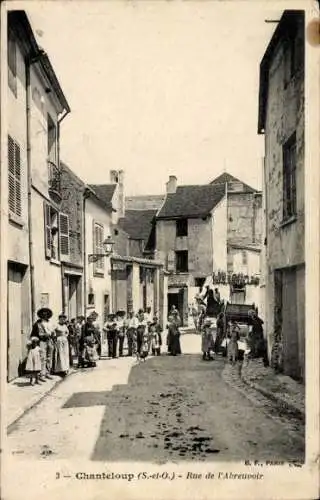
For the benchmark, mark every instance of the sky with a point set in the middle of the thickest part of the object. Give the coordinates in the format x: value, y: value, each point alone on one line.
x: 158, y: 88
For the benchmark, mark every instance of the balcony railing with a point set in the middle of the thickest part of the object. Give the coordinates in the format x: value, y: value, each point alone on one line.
x: 54, y: 176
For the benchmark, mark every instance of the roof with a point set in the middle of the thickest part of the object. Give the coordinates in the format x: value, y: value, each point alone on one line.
x: 20, y: 22
x: 138, y: 223
x: 144, y: 202
x: 138, y: 260
x: 191, y: 201
x: 253, y: 247
x: 91, y: 193
x: 228, y: 178
x: 104, y: 191
x: 287, y: 24
x: 66, y: 168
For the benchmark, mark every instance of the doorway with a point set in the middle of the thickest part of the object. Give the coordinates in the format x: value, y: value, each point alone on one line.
x: 15, y: 313
x: 74, y: 296
x: 176, y: 298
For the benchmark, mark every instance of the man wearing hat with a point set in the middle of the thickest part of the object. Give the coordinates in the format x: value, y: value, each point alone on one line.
x: 131, y: 331
x: 141, y: 328
x: 42, y: 330
x: 110, y: 328
x: 121, y: 328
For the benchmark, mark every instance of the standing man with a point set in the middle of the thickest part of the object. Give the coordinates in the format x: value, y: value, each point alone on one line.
x: 97, y: 333
x: 141, y: 328
x: 111, y: 329
x: 148, y: 316
x: 121, y: 330
x: 43, y: 331
x: 131, y: 331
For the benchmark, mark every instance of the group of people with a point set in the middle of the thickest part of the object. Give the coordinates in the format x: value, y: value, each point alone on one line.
x: 212, y: 338
x: 142, y: 332
x: 53, y: 346
x: 208, y: 305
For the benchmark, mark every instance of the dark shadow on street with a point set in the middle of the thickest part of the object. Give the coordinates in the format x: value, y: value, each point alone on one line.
x: 179, y: 408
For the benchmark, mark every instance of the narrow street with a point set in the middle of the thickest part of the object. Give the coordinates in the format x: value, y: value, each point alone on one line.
x: 166, y: 409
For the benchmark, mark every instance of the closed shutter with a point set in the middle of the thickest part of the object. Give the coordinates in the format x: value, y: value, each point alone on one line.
x: 47, y: 229
x: 14, y: 169
x: 64, y: 236
x: 171, y: 260
x: 98, y: 247
x: 12, y: 184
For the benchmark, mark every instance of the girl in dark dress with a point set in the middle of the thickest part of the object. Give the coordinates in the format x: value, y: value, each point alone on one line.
x: 174, y: 347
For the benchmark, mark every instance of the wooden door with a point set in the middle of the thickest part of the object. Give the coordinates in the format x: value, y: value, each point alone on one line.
x: 14, y: 322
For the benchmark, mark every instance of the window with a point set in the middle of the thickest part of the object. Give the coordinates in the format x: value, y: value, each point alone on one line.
x: 182, y: 261
x: 291, y: 56
x: 289, y: 178
x: 182, y: 227
x: 52, y: 141
x: 57, y: 243
x: 244, y: 258
x: 199, y: 282
x: 14, y: 170
x: 91, y: 299
x: 12, y: 62
x: 98, y: 266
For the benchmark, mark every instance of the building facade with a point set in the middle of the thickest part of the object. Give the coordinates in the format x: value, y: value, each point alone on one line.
x: 72, y: 204
x: 196, y: 230
x: 33, y: 223
x: 97, y: 280
x: 281, y: 120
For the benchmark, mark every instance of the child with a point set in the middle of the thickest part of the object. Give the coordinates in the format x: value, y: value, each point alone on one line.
x: 145, y: 346
x: 33, y: 365
x: 90, y: 352
x: 155, y: 337
x: 233, y: 343
x: 207, y: 340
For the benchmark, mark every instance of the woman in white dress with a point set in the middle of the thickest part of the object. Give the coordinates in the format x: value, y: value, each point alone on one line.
x: 61, y: 332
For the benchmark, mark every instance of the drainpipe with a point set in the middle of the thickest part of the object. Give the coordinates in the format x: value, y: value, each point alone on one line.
x: 62, y: 117
x: 28, y: 64
x: 85, y: 196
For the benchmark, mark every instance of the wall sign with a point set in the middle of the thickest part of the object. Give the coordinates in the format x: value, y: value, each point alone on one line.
x: 238, y: 280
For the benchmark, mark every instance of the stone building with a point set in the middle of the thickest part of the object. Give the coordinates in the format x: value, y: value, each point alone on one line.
x: 97, y: 266
x: 138, y: 280
x: 35, y: 226
x: 72, y: 269
x: 195, y: 230
x: 281, y: 120
x: 140, y: 226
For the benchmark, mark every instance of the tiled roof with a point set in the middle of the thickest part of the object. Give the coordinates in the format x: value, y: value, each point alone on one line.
x: 138, y: 223
x: 104, y: 191
x: 144, y: 202
x: 225, y: 177
x: 192, y: 201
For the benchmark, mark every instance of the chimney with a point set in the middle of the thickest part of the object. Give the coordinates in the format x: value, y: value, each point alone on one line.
x: 171, y: 185
x: 117, y: 177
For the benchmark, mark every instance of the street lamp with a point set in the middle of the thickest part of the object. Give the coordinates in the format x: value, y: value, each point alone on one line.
x: 108, y: 250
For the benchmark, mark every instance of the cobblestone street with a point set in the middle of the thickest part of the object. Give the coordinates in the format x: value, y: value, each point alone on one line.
x: 166, y: 409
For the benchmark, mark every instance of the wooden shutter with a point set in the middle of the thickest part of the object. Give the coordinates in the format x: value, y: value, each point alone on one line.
x: 18, y: 178
x: 171, y: 260
x: 98, y: 247
x: 64, y: 236
x: 11, y: 167
x: 14, y: 170
x: 47, y: 229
